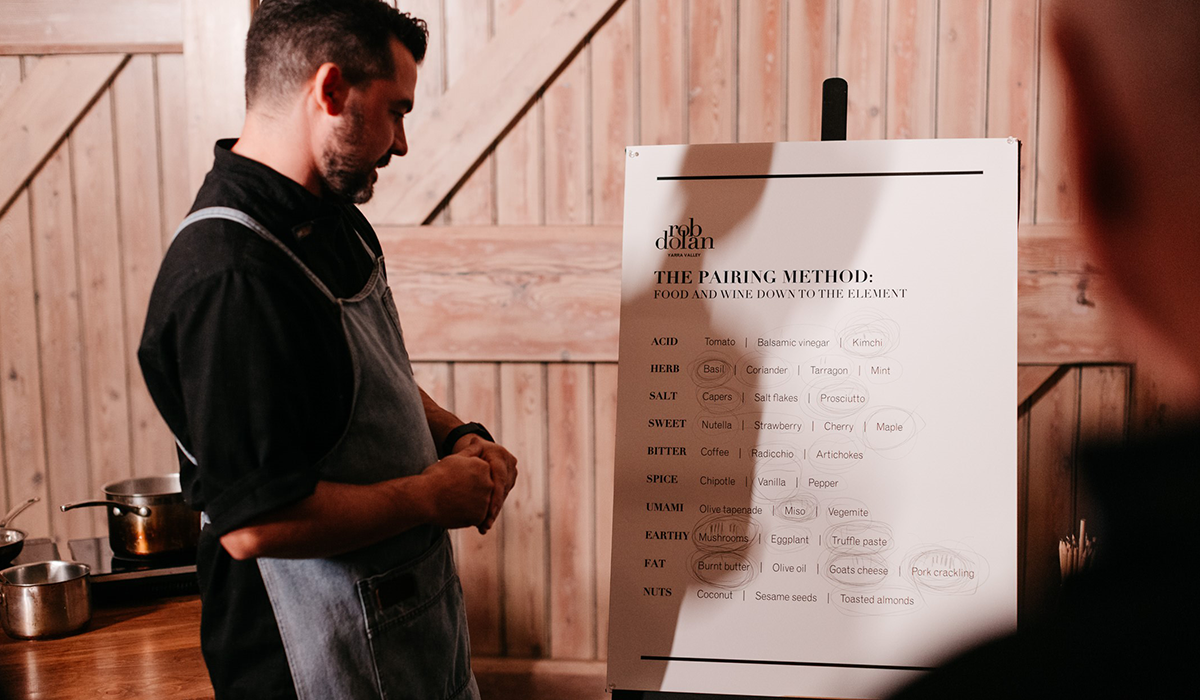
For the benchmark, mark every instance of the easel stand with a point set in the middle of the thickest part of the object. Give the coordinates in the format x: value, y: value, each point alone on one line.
x: 834, y: 96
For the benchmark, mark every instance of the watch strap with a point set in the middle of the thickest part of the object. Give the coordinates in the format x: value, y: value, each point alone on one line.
x: 456, y: 433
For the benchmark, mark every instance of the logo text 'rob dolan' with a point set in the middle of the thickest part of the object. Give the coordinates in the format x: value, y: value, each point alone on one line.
x: 684, y: 237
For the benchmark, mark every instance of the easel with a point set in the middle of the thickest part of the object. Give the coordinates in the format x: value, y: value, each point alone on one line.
x: 834, y: 93
x: 834, y: 96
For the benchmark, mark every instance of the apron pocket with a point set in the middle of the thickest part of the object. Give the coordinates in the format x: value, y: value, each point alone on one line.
x: 417, y: 628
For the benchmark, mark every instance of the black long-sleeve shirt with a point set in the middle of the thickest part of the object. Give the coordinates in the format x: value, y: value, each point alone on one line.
x: 246, y: 361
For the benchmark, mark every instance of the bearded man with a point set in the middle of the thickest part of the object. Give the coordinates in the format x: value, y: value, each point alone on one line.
x: 326, y: 478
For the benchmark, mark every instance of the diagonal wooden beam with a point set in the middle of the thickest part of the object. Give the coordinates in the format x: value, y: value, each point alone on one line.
x: 44, y: 109
x: 1030, y: 378
x: 446, y: 140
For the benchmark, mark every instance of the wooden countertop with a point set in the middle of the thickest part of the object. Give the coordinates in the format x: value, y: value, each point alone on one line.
x: 153, y: 651
x: 138, y: 651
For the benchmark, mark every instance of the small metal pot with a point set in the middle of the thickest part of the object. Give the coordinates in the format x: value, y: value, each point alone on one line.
x: 147, y: 517
x: 12, y: 540
x: 45, y: 599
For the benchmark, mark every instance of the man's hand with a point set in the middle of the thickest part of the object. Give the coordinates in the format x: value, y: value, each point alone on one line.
x: 462, y: 487
x: 503, y: 467
x: 501, y: 463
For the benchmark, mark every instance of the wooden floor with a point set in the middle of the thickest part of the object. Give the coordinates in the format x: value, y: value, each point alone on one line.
x: 152, y: 650
x: 520, y: 679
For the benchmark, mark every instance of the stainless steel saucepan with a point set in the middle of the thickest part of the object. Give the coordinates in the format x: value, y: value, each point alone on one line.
x: 45, y: 599
x: 147, y: 517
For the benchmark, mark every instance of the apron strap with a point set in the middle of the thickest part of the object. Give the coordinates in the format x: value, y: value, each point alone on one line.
x: 241, y: 217
x: 185, y: 452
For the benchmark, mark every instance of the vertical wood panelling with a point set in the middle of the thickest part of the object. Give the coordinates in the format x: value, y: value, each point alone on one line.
x: 571, y: 477
x: 712, y: 100
x: 479, y: 557
x: 10, y: 79
x: 468, y: 28
x: 10, y: 226
x: 912, y: 78
x: 141, y: 245
x: 662, y: 62
x: 172, y: 142
x: 518, y: 155
x: 1022, y: 504
x: 99, y: 245
x: 1103, y: 417
x: 1057, y: 188
x: 1053, y: 431
x: 1085, y: 404
x: 760, y: 87
x: 518, y: 172
x: 523, y: 422
x: 566, y: 147
x: 431, y: 74
x: 22, y: 450
x: 811, y: 58
x: 1103, y: 402
x: 614, y: 115
x: 1012, y: 85
x: 605, y: 412
x: 862, y: 61
x: 1163, y: 386
x: 61, y: 344
x: 214, y: 41
x: 962, y: 69
x: 10, y: 75
x: 434, y: 379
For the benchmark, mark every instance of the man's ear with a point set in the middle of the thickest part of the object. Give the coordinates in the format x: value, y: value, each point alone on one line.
x: 1101, y: 149
x: 330, y: 89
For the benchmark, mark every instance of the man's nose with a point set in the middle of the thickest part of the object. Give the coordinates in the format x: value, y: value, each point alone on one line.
x: 399, y: 142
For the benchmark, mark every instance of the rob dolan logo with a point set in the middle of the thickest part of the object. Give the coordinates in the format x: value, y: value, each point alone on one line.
x: 683, y: 240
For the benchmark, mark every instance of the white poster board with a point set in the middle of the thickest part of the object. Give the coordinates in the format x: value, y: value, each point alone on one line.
x: 816, y: 485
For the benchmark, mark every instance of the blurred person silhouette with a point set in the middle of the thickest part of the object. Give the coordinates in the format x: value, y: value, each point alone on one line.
x: 1125, y: 628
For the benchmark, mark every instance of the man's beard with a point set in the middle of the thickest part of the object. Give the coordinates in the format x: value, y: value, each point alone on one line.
x: 342, y: 169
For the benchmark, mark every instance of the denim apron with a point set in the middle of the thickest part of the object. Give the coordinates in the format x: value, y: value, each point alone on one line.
x: 387, y: 620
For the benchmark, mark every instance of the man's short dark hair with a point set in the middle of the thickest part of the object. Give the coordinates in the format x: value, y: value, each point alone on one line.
x: 290, y: 39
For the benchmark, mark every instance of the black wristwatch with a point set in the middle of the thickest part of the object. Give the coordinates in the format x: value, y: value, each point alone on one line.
x: 464, y: 429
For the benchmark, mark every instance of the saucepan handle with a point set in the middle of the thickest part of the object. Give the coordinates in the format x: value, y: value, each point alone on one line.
x: 143, y: 511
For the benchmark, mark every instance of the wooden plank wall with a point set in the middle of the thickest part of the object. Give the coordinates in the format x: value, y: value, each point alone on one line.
x: 666, y: 71
x: 1076, y: 405
x: 79, y: 246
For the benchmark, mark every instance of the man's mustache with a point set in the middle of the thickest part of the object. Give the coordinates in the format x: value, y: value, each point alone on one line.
x: 382, y: 163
